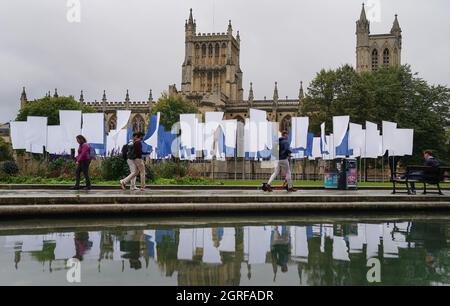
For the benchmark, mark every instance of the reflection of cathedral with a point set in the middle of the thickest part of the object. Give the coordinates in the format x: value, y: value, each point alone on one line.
x: 321, y: 254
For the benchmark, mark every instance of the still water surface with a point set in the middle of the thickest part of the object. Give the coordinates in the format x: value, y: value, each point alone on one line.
x: 325, y: 250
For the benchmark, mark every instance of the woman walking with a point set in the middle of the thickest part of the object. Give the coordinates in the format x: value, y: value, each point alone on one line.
x: 83, y: 161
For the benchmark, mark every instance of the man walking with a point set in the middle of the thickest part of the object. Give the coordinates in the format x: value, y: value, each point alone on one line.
x: 283, y: 163
x: 135, y: 155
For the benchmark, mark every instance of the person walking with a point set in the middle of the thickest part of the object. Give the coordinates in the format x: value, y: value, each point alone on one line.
x: 136, y: 155
x: 83, y: 161
x: 283, y: 163
x: 128, y: 155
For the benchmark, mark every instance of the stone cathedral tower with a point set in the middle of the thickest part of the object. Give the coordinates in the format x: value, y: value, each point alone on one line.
x: 375, y: 50
x: 211, y: 73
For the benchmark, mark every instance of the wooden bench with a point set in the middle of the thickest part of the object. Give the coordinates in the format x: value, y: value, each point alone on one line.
x: 421, y: 174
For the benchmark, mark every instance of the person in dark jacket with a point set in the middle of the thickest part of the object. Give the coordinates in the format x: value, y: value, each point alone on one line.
x: 430, y: 161
x: 283, y: 162
x: 136, y: 154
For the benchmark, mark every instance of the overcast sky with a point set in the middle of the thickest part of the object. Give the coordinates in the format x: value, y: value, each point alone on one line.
x: 139, y: 44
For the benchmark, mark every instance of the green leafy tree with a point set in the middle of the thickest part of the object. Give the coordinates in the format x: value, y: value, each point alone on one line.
x: 170, y: 107
x: 49, y: 107
x: 391, y: 94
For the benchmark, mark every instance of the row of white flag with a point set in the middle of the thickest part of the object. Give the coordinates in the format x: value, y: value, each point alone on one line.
x: 215, y: 136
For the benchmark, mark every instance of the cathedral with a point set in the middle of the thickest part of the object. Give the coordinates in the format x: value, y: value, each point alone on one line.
x: 211, y: 76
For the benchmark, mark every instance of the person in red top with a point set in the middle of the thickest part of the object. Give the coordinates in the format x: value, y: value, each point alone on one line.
x: 83, y: 160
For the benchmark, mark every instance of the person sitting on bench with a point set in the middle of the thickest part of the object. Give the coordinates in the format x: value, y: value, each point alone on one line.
x: 430, y: 161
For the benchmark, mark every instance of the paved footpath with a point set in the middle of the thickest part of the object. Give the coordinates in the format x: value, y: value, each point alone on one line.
x: 37, y: 202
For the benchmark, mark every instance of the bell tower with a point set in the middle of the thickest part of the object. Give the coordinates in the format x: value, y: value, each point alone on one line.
x: 211, y: 73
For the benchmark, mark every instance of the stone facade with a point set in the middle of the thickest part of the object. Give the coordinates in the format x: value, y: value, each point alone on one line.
x: 375, y: 50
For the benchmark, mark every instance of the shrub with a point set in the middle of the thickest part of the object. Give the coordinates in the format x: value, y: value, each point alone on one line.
x: 61, y: 168
x: 9, y: 167
x: 170, y: 169
x: 114, y: 168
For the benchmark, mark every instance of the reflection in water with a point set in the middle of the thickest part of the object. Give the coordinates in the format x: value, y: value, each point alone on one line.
x: 414, y: 253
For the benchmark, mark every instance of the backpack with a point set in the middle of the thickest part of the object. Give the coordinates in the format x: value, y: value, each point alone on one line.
x: 128, y: 151
x: 125, y: 152
x: 92, y: 152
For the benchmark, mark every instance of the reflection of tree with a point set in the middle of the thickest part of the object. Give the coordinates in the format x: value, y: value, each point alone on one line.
x: 167, y: 249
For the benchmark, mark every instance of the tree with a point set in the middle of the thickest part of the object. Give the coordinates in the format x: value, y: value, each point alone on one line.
x: 49, y: 107
x: 390, y: 94
x: 170, y: 107
x: 5, y: 151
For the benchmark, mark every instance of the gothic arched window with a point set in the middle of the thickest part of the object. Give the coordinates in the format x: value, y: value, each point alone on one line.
x: 197, y: 53
x: 210, y: 51
x: 138, y: 124
x: 203, y: 51
x: 112, y: 123
x: 224, y: 52
x: 386, y: 59
x: 217, y: 54
x: 286, y: 123
x: 374, y: 59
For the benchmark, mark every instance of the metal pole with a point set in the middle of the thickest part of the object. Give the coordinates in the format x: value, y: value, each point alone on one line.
x: 235, y: 165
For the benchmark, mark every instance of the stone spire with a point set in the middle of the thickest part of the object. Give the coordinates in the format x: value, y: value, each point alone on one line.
x: 301, y: 94
x: 104, y: 100
x: 230, y: 28
x: 238, y: 36
x: 23, y: 98
x: 275, y: 93
x: 150, y: 96
x: 363, y: 25
x: 275, y: 103
x: 81, y: 97
x: 127, y: 100
x: 191, y: 17
x: 55, y: 95
x: 396, y: 30
x: 150, y: 100
x: 190, y: 26
x: 251, y: 96
x: 363, y: 16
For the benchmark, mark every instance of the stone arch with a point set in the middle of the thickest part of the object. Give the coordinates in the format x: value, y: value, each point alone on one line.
x: 286, y: 123
x: 112, y: 123
x: 386, y: 57
x: 210, y: 50
x: 374, y: 57
x: 138, y: 123
x: 197, y: 53
x: 203, y: 50
x: 239, y: 119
